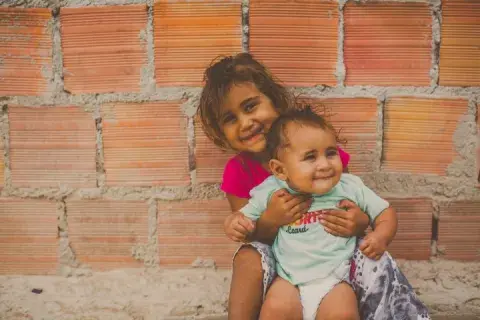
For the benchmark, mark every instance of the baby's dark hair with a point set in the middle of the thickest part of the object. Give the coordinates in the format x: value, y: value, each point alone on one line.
x: 219, y: 78
x: 304, y: 115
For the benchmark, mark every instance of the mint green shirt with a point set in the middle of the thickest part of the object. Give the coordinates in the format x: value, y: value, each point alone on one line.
x: 304, y: 250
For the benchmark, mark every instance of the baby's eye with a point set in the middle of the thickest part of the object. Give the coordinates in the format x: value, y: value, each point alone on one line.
x: 309, y: 157
x: 331, y: 153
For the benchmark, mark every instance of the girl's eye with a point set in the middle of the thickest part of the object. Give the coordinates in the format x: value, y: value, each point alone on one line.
x: 249, y: 107
x: 229, y: 118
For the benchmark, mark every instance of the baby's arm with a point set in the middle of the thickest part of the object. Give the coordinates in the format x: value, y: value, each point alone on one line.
x: 384, y: 220
x: 384, y: 229
x: 236, y: 226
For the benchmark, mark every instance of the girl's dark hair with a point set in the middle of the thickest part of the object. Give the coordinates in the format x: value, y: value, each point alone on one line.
x: 219, y: 78
x: 304, y: 115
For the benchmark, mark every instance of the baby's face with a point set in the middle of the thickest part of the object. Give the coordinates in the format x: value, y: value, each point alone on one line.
x: 311, y: 162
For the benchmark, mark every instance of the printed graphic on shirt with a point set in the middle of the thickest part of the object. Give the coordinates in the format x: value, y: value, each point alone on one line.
x: 300, y: 226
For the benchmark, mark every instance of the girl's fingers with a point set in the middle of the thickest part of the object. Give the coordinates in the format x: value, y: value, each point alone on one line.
x: 346, y: 204
x: 300, y: 208
x: 295, y: 200
x: 339, y: 230
x: 332, y: 232
x: 335, y: 217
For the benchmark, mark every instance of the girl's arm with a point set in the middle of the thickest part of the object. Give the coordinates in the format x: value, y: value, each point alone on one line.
x: 348, y: 221
x: 283, y: 208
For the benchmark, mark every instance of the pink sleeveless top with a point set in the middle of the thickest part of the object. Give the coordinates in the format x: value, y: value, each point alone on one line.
x: 242, y: 174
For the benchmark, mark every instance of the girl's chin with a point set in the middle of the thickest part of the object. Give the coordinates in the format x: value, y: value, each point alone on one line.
x: 256, y: 147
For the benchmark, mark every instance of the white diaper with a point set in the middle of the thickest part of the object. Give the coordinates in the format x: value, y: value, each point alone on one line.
x: 313, y: 292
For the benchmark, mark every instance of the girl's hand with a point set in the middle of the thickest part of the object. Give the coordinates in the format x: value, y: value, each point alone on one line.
x: 238, y: 227
x: 343, y: 223
x: 285, y: 208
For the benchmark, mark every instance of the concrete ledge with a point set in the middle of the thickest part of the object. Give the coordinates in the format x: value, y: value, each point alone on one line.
x: 451, y: 290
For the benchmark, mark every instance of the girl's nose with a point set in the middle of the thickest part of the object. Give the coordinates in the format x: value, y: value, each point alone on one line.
x: 246, y: 122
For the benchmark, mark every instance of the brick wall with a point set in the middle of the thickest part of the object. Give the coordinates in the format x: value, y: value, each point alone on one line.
x: 104, y: 165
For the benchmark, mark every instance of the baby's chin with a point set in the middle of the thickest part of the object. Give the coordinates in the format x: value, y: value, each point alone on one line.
x: 323, y: 186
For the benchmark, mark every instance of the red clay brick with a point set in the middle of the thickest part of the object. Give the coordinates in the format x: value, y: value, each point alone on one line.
x: 387, y: 43
x: 103, y: 232
x: 51, y: 146
x: 25, y: 51
x: 145, y: 144
x: 210, y: 159
x: 189, y: 230
x: 189, y: 34
x: 297, y: 40
x: 356, y: 121
x: 102, y: 48
x: 2, y: 165
x: 28, y: 236
x: 418, y: 134
x: 414, y: 234
x: 458, y: 230
x: 460, y: 46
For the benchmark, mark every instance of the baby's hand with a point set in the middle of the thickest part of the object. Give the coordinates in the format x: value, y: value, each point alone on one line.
x: 238, y: 227
x: 373, y: 246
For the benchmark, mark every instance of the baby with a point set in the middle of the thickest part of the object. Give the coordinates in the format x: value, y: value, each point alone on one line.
x: 304, y: 159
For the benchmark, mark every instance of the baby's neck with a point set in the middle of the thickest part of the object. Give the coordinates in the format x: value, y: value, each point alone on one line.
x: 298, y: 191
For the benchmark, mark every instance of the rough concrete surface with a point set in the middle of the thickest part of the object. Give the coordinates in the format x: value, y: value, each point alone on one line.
x: 450, y: 289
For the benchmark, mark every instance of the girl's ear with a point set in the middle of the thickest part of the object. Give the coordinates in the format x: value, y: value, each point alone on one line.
x: 278, y: 169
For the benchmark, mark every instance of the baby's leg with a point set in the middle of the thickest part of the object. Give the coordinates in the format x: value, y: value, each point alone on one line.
x: 339, y: 304
x: 282, y: 302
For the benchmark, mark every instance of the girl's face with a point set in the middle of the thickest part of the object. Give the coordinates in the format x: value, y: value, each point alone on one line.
x: 246, y: 118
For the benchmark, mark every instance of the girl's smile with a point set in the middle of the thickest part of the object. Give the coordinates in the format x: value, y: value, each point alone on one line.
x: 246, y: 117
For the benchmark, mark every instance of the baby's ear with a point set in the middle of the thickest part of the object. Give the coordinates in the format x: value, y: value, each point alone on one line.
x: 278, y: 169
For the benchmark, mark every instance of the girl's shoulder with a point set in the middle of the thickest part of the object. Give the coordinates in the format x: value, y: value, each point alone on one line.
x: 235, y: 179
x: 241, y: 174
x: 242, y: 163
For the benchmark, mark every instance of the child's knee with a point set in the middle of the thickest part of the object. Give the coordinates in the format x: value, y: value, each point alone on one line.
x: 282, y: 301
x: 248, y: 258
x: 275, y: 308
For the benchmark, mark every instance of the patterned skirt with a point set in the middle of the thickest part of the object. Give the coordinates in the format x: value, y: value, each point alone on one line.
x: 382, y: 290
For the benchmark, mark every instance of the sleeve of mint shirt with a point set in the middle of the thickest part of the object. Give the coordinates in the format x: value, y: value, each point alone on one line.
x: 259, y: 197
x: 370, y: 202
